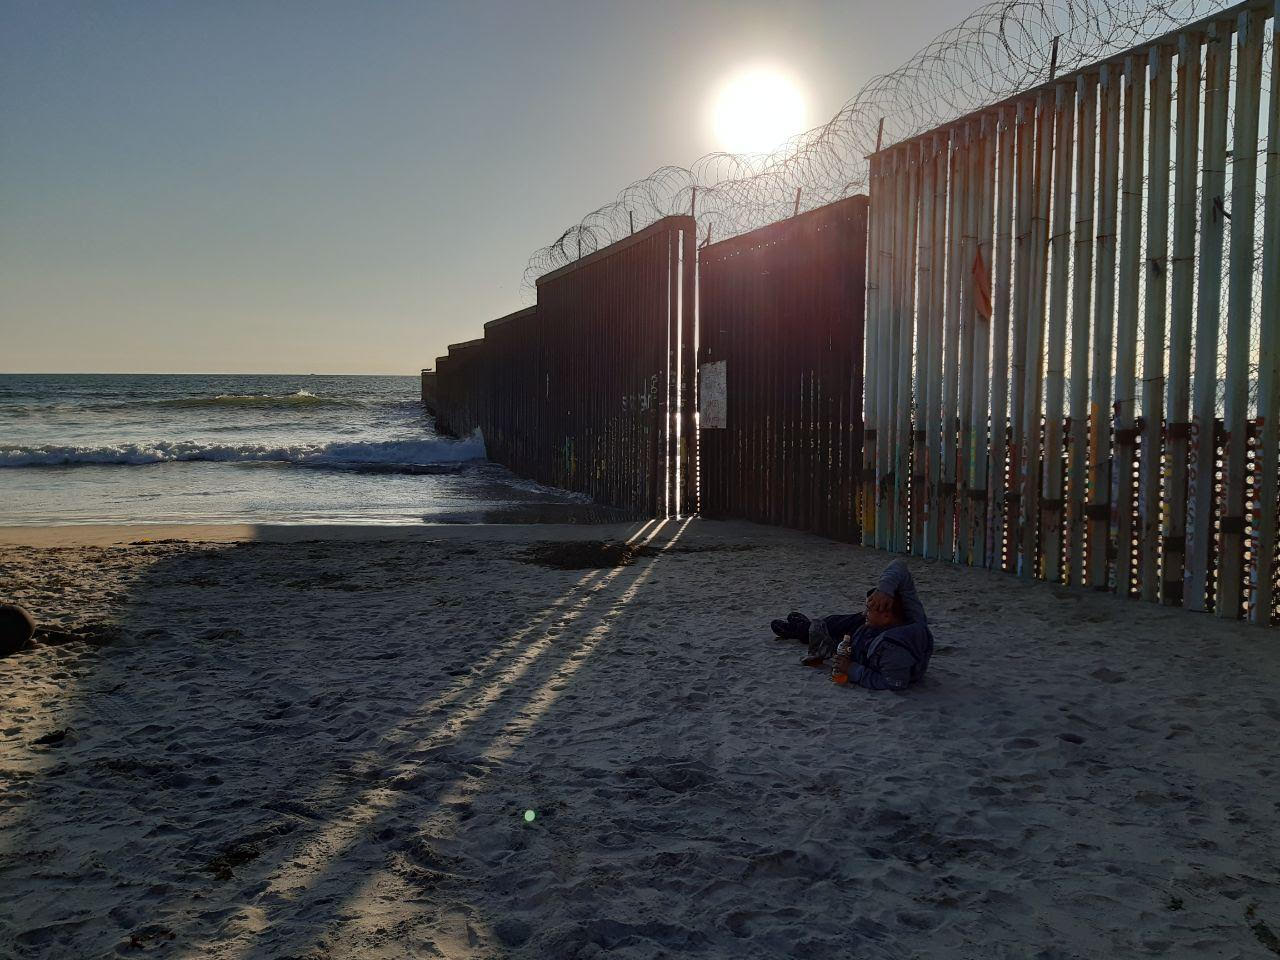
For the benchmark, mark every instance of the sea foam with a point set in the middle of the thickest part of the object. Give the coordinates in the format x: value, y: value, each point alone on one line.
x: 336, y: 455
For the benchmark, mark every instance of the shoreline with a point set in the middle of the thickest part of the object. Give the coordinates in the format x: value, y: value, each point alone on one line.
x: 117, y: 534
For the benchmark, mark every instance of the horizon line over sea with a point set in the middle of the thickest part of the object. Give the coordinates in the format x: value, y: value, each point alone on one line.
x: 245, y: 448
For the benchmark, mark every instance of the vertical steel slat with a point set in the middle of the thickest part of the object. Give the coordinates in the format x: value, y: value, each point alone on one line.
x: 981, y: 399
x: 858, y: 281
x: 1025, y: 202
x: 1262, y: 594
x: 671, y: 419
x: 880, y: 360
x: 1033, y: 390
x: 906, y: 314
x: 1155, y: 270
x: 890, y: 418
x: 827, y: 482
x: 1182, y: 304
x: 822, y: 480
x: 933, y: 375
x: 871, y: 343
x: 757, y: 390
x: 1002, y: 273
x: 1125, y: 391
x: 1244, y: 181
x: 968, y: 251
x: 888, y: 356
x: 1056, y: 348
x: 885, y: 357
x: 802, y: 336
x: 1081, y: 326
x: 1208, y: 303
x: 924, y: 320
x: 689, y: 371
x: 1099, y: 512
x: 951, y: 365
x: 790, y: 434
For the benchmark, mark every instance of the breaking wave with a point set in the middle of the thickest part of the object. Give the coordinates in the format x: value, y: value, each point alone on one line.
x: 408, y: 456
x: 302, y: 398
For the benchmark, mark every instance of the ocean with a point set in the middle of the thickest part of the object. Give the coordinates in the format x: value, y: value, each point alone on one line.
x: 124, y: 448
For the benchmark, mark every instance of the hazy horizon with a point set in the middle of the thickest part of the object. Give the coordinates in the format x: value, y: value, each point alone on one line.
x: 326, y: 188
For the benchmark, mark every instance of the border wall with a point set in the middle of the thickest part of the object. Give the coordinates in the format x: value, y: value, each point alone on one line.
x: 1071, y: 343
x: 460, y: 379
x: 1074, y: 328
x: 780, y: 327
x: 429, y: 390
x: 592, y: 390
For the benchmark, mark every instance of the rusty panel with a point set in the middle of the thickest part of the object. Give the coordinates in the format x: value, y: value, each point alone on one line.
x: 612, y: 397
x: 582, y: 391
x: 782, y: 307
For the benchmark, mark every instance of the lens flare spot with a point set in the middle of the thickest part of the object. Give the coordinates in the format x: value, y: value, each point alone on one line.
x: 529, y: 816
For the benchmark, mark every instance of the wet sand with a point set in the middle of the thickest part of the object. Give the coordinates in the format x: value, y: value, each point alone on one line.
x: 322, y: 742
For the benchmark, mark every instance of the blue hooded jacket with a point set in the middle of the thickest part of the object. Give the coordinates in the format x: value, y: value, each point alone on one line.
x: 887, y: 658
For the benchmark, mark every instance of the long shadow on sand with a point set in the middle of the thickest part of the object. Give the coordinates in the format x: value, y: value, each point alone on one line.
x: 286, y: 737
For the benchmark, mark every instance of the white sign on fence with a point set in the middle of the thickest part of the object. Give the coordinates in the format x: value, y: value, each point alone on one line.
x: 713, y: 395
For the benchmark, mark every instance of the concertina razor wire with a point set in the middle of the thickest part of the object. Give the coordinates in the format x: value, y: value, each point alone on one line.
x: 997, y: 51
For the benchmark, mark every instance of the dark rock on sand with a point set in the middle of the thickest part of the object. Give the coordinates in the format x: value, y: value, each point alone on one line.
x: 579, y: 555
x: 16, y: 628
x: 94, y: 634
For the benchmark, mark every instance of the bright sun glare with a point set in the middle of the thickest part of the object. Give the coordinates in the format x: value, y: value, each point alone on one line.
x: 756, y: 110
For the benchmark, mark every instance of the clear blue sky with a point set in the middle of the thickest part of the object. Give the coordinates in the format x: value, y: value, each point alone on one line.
x: 348, y: 187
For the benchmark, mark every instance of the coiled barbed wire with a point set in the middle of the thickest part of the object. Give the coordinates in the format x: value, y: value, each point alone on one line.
x: 1000, y: 49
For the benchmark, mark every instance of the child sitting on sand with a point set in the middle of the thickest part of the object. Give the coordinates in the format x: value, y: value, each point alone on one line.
x: 886, y: 648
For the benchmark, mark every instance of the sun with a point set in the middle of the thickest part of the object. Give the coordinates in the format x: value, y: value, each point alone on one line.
x: 756, y: 110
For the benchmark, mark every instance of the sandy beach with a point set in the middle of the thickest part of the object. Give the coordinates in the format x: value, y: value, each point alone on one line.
x: 427, y: 742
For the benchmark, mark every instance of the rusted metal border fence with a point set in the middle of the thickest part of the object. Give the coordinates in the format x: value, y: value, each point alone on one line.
x: 593, y: 390
x: 1020, y: 270
x: 457, y: 399
x: 780, y: 321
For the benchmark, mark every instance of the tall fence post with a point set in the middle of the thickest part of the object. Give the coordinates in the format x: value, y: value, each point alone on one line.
x: 951, y: 340
x: 904, y: 324
x: 886, y: 358
x: 1081, y: 328
x: 968, y: 249
x: 1262, y: 594
x: 1201, y: 478
x: 688, y: 239
x: 1125, y: 405
x: 1056, y: 349
x: 1003, y: 278
x: 940, y: 145
x: 979, y: 417
x: 1022, y: 300
x: 1033, y: 389
x: 871, y: 347
x: 1156, y: 271
x: 1244, y: 185
x: 1264, y: 579
x: 1182, y: 304
x: 920, y: 476
x: 1098, y: 549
